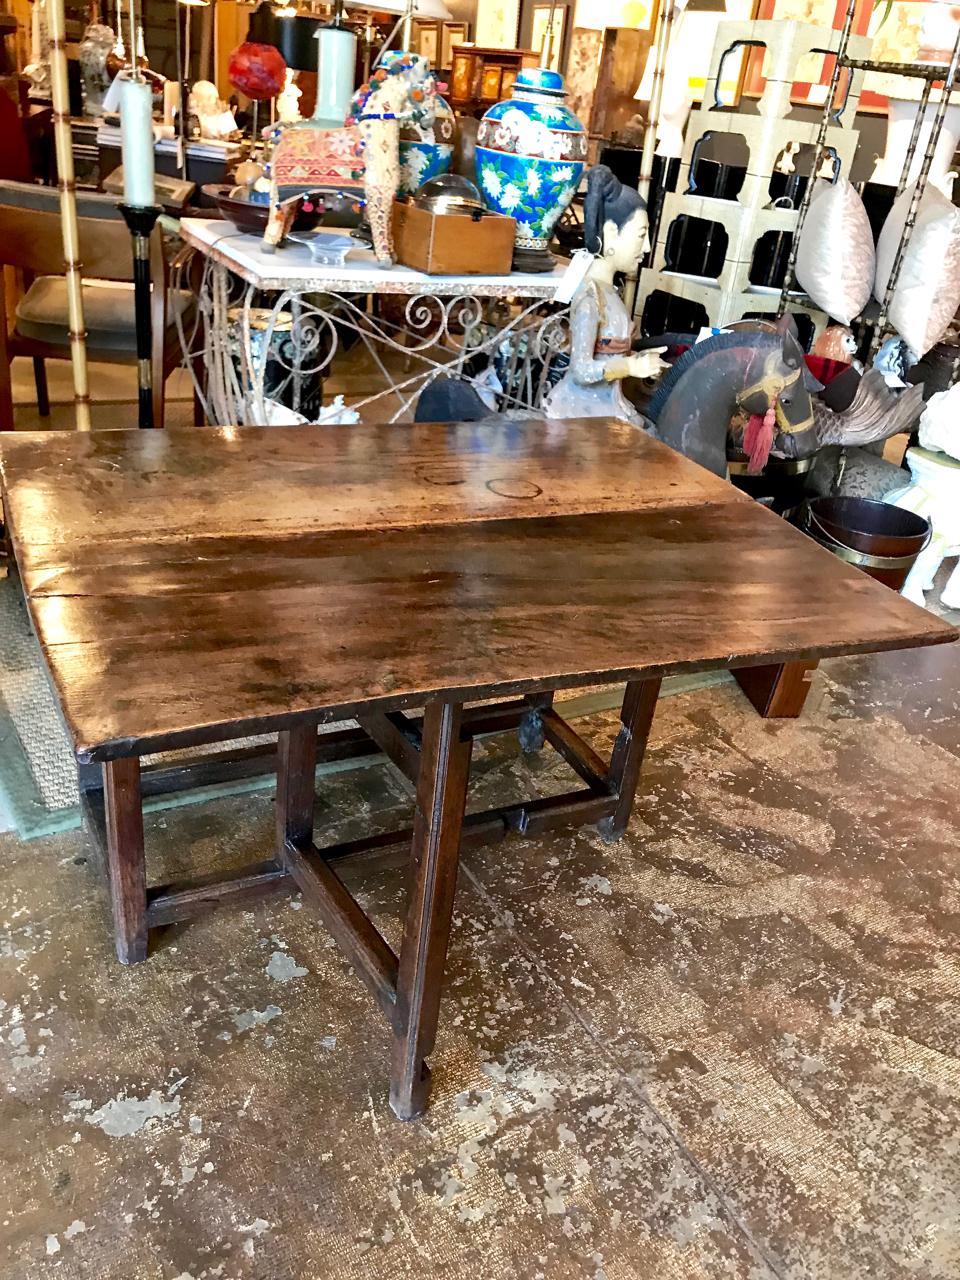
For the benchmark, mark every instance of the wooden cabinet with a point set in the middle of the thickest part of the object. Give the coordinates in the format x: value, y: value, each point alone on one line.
x: 480, y: 77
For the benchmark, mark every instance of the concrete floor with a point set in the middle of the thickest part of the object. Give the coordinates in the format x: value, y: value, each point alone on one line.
x: 727, y: 1046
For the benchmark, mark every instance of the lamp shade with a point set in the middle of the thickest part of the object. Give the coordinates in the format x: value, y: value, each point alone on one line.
x: 292, y: 35
x: 421, y: 8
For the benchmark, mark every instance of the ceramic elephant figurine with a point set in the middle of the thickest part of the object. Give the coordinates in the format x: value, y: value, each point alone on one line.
x: 308, y: 158
x: 401, y: 91
x: 363, y: 156
x: 379, y: 125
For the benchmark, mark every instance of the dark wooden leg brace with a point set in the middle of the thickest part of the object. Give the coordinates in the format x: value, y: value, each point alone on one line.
x: 441, y: 797
x: 636, y: 717
x: 125, y: 858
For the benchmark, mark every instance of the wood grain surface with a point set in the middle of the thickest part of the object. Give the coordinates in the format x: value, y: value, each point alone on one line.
x: 66, y: 490
x: 176, y: 643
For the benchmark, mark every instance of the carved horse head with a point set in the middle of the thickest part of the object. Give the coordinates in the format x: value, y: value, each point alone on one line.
x: 759, y: 371
x: 777, y: 377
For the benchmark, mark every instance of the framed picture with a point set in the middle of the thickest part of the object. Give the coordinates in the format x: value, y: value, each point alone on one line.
x: 583, y: 62
x: 905, y: 31
x: 813, y: 72
x: 427, y: 41
x: 451, y: 33
x: 497, y: 23
x: 691, y: 49
x: 547, y: 30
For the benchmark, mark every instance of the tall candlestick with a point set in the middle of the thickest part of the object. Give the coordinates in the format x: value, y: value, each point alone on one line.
x: 136, y: 138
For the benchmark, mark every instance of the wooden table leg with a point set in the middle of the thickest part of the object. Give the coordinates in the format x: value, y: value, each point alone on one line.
x: 779, y: 689
x: 636, y: 717
x: 296, y: 785
x: 441, y: 797
x: 125, y: 858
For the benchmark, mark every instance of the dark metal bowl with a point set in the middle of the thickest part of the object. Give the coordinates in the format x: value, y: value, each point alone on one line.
x: 877, y: 528
x: 251, y: 216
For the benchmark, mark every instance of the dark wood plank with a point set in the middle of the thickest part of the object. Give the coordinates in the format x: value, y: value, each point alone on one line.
x: 435, y: 856
x: 636, y: 717
x: 478, y: 721
x: 237, y: 763
x: 264, y: 633
x: 189, y: 484
x: 184, y: 900
x: 125, y: 858
x: 210, y: 769
x: 779, y: 690
x: 187, y: 899
x: 553, y: 813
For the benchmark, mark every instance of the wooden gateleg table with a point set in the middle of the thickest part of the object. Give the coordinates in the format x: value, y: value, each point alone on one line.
x: 427, y: 583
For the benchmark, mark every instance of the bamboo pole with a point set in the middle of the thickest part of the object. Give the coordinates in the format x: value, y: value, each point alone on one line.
x: 920, y: 187
x: 68, y: 211
x: 661, y: 52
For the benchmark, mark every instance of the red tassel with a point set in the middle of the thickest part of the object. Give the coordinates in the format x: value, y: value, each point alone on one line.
x: 758, y: 439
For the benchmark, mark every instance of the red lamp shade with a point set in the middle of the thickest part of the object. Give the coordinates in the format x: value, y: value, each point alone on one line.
x: 257, y: 70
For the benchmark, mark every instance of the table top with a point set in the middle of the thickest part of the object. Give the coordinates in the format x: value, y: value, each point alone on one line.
x: 292, y: 267
x: 176, y: 485
x: 169, y: 616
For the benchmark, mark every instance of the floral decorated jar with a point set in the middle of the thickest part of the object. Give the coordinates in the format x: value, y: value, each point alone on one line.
x: 426, y: 148
x: 531, y: 150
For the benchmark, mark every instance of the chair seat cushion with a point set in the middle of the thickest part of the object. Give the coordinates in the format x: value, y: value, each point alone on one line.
x: 107, y: 313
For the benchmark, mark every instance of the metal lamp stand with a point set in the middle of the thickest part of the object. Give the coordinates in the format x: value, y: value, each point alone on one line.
x: 141, y: 223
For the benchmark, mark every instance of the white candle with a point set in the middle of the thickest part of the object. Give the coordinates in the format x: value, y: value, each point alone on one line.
x: 136, y: 142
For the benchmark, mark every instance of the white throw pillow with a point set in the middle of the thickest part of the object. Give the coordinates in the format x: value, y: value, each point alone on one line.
x: 835, y: 257
x: 928, y: 290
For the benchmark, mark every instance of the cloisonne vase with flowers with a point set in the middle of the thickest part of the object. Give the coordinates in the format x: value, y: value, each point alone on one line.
x: 531, y: 151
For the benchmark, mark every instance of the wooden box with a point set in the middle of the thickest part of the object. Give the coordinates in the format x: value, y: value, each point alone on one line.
x: 450, y: 244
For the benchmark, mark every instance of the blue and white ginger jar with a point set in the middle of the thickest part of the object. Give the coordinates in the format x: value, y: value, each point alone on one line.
x: 531, y: 151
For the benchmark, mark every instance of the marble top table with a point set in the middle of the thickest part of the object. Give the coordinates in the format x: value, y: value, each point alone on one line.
x: 292, y: 268
x: 270, y: 325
